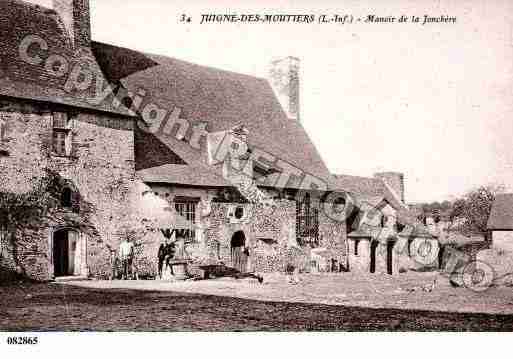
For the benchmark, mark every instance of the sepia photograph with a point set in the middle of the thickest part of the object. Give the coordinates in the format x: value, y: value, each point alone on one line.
x: 255, y: 166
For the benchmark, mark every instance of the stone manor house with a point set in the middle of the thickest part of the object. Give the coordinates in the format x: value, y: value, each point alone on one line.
x: 150, y: 143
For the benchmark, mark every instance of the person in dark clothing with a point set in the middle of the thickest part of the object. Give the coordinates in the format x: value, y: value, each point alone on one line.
x: 162, y: 255
x: 170, y: 254
x: 166, y: 251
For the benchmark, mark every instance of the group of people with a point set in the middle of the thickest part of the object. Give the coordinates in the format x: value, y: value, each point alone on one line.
x: 125, y: 255
x: 172, y: 247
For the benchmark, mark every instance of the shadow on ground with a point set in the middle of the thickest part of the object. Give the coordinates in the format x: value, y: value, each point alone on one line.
x: 54, y: 307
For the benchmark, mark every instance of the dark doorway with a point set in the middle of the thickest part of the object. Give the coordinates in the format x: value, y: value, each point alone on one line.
x: 239, y: 253
x: 374, y: 245
x: 60, y: 253
x: 390, y: 259
x: 64, y: 249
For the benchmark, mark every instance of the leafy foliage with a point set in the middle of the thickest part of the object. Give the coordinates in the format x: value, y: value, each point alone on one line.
x: 22, y: 212
x: 474, y: 208
x: 18, y: 210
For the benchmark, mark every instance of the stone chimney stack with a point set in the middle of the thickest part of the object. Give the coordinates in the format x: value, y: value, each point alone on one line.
x: 76, y: 16
x: 284, y: 78
x: 394, y: 180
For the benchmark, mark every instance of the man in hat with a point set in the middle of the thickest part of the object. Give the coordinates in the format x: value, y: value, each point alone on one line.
x: 126, y: 251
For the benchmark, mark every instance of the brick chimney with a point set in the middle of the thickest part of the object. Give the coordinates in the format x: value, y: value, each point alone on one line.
x: 75, y: 15
x: 394, y: 180
x: 284, y: 78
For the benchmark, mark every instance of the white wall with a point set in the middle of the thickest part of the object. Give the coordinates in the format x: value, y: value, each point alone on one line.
x: 502, y: 240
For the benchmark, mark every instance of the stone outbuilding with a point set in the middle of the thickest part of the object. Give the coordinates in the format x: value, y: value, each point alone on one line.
x: 500, y: 222
x: 386, y: 238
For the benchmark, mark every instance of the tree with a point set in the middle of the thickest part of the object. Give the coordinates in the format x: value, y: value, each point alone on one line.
x: 474, y: 208
x: 445, y: 206
x: 458, y: 209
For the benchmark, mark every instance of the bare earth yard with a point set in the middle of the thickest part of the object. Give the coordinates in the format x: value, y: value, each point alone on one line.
x: 319, y: 302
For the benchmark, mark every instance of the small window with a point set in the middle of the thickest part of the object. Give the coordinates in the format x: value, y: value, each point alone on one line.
x: 3, y: 239
x: 4, y: 151
x: 307, y: 222
x: 3, y: 130
x: 66, y: 198
x: 239, y: 212
x: 187, y: 209
x: 61, y: 137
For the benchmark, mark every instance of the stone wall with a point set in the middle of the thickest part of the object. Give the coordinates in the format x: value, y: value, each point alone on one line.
x: 270, y: 233
x: 100, y: 169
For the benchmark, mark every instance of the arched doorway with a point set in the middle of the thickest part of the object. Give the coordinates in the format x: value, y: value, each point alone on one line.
x: 67, y: 253
x: 239, y: 253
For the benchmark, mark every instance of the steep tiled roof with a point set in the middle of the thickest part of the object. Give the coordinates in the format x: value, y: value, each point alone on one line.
x: 220, y: 98
x: 19, y: 79
x: 182, y: 174
x: 501, y: 215
x: 366, y: 187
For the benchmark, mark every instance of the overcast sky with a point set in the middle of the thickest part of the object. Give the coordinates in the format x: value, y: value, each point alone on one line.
x: 432, y: 101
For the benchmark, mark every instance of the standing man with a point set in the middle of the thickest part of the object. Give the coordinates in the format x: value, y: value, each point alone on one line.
x: 170, y: 251
x: 126, y: 250
x: 163, y: 249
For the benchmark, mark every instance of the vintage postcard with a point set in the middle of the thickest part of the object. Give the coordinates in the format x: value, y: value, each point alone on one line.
x: 255, y: 166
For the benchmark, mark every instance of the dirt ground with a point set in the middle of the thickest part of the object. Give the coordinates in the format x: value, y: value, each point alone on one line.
x: 319, y: 302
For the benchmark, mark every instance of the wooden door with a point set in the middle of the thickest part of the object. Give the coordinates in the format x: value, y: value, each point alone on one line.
x: 239, y: 254
x: 61, y: 253
x: 239, y: 259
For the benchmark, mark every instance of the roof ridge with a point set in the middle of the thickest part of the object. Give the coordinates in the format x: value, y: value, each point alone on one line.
x: 183, y: 61
x: 353, y: 176
x: 32, y: 5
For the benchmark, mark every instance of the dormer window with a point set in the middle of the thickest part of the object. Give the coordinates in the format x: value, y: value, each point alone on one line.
x: 61, y: 137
